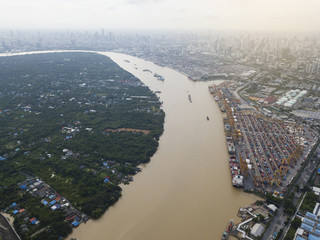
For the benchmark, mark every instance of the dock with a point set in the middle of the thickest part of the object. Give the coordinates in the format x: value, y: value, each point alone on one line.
x: 265, y: 149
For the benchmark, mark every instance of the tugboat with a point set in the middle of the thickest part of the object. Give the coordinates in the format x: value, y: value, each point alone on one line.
x: 159, y: 77
x: 228, y: 230
x: 190, y: 78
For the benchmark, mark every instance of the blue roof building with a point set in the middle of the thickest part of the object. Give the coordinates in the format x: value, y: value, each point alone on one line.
x: 317, y: 232
x: 313, y: 237
x: 311, y: 216
x: 309, y: 227
x: 52, y: 196
x: 309, y: 222
x: 75, y: 223
x: 306, y: 227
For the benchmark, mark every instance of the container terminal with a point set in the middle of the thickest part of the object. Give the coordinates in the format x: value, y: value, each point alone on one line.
x: 264, y: 153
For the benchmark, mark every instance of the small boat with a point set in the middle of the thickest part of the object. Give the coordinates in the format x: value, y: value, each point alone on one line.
x: 159, y: 77
x: 207, y: 118
x: 190, y: 78
x: 189, y: 96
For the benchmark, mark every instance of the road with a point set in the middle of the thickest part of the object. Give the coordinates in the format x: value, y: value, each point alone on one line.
x: 276, y: 224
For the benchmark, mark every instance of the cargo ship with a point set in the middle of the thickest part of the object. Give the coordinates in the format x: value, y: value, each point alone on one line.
x: 228, y: 230
x: 222, y: 107
x: 237, y: 181
x: 236, y: 177
x: 231, y: 147
x: 212, y: 89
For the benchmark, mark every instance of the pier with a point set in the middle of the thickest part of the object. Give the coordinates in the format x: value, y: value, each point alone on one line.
x: 265, y: 149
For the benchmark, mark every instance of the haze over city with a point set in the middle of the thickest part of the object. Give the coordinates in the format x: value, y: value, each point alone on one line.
x: 159, y: 119
x: 252, y: 15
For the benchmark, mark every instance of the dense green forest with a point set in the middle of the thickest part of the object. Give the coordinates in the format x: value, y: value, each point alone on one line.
x: 54, y: 110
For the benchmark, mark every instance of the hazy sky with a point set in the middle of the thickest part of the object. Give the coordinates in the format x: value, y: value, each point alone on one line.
x: 274, y: 15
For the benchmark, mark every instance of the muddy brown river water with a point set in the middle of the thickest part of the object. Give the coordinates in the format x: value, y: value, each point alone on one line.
x: 185, y: 192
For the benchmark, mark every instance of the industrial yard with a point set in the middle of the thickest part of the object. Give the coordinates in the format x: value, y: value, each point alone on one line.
x: 265, y: 152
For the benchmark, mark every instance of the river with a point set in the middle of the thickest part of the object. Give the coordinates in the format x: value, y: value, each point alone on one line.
x: 185, y: 192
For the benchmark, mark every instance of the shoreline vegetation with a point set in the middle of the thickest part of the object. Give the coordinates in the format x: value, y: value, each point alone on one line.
x: 73, y: 127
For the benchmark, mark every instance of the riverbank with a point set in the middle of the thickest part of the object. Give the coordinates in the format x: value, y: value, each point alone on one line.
x: 94, y: 160
x: 8, y: 217
x: 7, y: 231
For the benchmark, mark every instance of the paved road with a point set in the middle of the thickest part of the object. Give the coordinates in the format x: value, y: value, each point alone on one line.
x: 276, y: 224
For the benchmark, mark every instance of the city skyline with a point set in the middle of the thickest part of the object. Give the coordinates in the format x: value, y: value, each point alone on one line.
x: 247, y: 15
